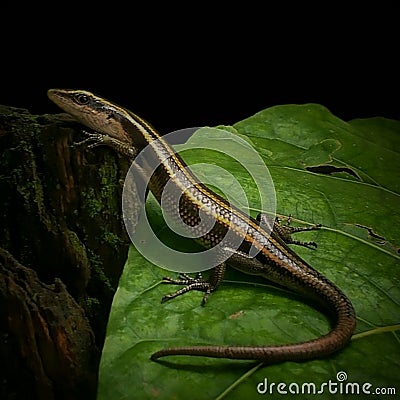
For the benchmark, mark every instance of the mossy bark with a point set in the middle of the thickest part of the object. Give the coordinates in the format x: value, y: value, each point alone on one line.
x: 62, y: 248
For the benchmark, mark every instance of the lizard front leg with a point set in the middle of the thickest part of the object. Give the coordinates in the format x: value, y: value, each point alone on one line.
x: 207, y: 286
x: 101, y: 139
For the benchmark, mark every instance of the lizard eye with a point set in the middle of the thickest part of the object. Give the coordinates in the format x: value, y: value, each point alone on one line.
x: 81, y: 98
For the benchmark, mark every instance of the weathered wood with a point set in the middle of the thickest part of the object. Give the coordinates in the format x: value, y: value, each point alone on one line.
x: 48, y: 346
x: 63, y: 248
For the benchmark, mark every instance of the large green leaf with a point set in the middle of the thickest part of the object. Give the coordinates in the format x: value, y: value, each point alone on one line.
x: 344, y: 175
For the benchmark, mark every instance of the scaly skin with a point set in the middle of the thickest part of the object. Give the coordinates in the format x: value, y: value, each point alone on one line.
x: 128, y: 134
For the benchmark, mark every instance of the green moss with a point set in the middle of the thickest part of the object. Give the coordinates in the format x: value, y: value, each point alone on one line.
x: 92, y: 203
x: 105, y: 197
x: 98, y: 271
x: 100, y: 292
x: 90, y: 305
x: 109, y: 185
x: 112, y: 239
x: 79, y: 248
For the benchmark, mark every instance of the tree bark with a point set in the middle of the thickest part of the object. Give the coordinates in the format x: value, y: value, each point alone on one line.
x: 62, y: 249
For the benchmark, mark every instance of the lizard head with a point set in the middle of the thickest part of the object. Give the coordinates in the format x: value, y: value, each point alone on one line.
x: 94, y: 112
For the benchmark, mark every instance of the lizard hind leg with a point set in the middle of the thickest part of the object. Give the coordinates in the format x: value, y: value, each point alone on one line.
x: 285, y: 231
x: 198, y: 283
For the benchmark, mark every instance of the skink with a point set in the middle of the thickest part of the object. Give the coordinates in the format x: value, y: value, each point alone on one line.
x: 128, y: 134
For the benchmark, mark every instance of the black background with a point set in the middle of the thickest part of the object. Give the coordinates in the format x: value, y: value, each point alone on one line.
x: 195, y: 66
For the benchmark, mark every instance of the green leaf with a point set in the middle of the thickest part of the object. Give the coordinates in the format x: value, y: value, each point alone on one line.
x: 344, y: 175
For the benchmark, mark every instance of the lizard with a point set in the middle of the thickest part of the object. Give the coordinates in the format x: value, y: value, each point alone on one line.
x: 127, y: 133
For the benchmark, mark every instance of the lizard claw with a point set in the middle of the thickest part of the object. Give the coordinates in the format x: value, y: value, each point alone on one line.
x: 96, y: 137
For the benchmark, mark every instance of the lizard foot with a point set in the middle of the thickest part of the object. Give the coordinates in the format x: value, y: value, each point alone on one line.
x: 189, y: 283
